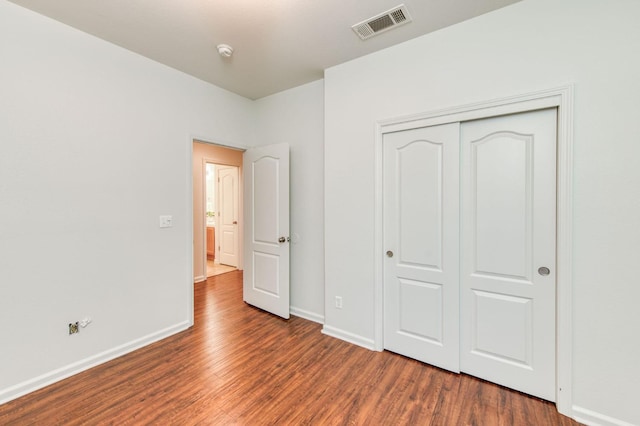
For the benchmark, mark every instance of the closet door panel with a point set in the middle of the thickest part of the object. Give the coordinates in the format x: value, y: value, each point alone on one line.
x: 421, y: 317
x: 508, y: 251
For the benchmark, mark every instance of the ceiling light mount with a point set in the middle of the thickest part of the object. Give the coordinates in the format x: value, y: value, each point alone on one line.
x: 225, y: 50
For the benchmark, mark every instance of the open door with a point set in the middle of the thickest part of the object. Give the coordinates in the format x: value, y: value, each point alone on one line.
x: 266, y: 237
x: 227, y: 215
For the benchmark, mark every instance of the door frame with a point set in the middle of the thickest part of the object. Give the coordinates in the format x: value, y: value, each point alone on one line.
x: 209, y: 160
x: 191, y: 139
x: 205, y: 161
x: 560, y: 98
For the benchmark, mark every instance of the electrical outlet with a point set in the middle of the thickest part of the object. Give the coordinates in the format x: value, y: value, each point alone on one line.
x: 339, y: 302
x: 73, y: 328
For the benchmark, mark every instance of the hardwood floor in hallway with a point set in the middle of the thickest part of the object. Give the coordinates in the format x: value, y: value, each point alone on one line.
x: 241, y: 366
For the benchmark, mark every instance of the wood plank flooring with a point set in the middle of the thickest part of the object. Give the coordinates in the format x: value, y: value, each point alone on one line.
x: 241, y: 366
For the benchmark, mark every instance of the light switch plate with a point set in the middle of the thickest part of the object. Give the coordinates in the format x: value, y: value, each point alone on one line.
x: 166, y: 221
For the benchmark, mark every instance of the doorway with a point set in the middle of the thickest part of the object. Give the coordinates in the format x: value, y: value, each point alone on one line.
x: 207, y: 213
x: 263, y: 238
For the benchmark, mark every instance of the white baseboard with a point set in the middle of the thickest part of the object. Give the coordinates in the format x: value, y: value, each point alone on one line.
x: 311, y: 316
x: 348, y: 337
x: 199, y: 279
x: 593, y: 418
x: 51, y: 377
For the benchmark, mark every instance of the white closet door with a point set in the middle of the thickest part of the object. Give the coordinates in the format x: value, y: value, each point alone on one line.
x: 508, y: 185
x: 421, y: 268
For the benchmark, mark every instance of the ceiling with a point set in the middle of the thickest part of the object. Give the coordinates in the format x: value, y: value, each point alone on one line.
x: 278, y: 44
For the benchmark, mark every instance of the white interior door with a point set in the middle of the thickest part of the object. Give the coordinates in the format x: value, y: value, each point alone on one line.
x: 228, y: 215
x: 508, y: 251
x: 421, y: 268
x: 266, y: 237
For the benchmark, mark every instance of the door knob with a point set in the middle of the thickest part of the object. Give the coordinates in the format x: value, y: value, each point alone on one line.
x: 389, y: 253
x: 283, y: 239
x: 544, y: 271
x: 235, y: 222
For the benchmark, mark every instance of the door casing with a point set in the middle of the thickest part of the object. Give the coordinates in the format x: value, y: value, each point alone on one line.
x: 562, y: 99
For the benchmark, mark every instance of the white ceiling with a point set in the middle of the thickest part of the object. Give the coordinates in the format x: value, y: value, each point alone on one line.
x: 279, y: 44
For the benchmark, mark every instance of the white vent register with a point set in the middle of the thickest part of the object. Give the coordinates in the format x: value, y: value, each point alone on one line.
x: 385, y: 21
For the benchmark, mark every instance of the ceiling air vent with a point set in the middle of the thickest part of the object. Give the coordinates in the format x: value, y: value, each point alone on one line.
x: 382, y: 22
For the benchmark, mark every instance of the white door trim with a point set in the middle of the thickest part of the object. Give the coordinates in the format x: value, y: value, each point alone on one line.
x: 562, y: 98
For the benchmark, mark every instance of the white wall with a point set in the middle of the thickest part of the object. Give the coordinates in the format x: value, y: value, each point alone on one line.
x: 94, y: 145
x: 295, y: 116
x: 529, y: 46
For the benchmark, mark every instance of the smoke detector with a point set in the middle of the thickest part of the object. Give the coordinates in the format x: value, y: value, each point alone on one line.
x: 225, y: 50
x: 382, y: 22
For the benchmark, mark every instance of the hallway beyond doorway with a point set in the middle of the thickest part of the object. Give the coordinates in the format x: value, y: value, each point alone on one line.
x: 214, y: 269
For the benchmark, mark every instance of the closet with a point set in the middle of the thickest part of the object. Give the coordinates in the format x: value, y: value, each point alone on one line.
x: 469, y: 237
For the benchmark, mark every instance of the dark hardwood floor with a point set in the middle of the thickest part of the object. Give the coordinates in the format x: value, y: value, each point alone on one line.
x: 241, y: 366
